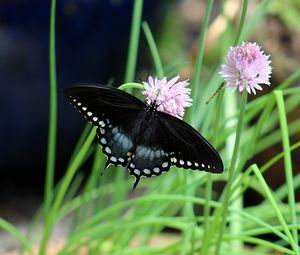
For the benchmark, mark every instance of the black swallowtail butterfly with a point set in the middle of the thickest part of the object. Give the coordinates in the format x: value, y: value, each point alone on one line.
x: 137, y: 136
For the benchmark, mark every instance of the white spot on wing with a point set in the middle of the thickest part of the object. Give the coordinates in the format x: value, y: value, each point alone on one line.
x: 89, y: 114
x: 84, y: 108
x: 146, y: 171
x: 108, y: 150
x: 165, y: 164
x: 113, y: 159
x: 156, y: 170
x: 101, y: 123
x: 103, y: 140
x: 121, y: 159
x: 137, y: 171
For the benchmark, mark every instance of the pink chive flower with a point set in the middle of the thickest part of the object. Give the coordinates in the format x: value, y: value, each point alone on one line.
x: 246, y: 67
x: 170, y: 96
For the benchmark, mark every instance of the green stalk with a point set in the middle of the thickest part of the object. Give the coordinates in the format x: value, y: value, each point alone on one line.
x: 50, y: 168
x: 134, y: 41
x: 195, y: 83
x: 231, y: 171
x: 129, y: 77
x: 153, y: 49
x: 131, y: 85
x: 50, y: 220
x: 209, y: 182
x: 9, y: 228
x: 220, y: 214
x: 275, y: 208
x: 242, y: 21
x: 236, y: 225
x: 287, y: 159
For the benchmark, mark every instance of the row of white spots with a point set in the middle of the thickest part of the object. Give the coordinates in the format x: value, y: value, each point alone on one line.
x: 188, y: 163
x: 146, y: 171
x: 95, y: 119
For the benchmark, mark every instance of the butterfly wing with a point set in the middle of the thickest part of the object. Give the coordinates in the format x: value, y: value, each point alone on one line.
x: 166, y: 141
x: 187, y: 148
x: 112, y: 111
x: 146, y: 142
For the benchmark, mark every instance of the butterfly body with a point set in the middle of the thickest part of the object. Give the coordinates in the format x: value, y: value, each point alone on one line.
x: 137, y: 136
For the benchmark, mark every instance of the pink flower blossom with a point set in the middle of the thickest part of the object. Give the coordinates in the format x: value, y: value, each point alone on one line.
x: 169, y: 96
x: 246, y: 67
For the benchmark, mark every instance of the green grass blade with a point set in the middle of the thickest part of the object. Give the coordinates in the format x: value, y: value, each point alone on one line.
x: 6, y: 226
x: 231, y: 171
x: 276, y: 209
x: 50, y: 220
x: 153, y: 49
x: 195, y: 83
x: 287, y: 159
x: 134, y: 41
x: 52, y: 114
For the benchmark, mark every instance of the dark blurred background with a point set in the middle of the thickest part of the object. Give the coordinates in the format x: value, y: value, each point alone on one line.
x: 91, y: 46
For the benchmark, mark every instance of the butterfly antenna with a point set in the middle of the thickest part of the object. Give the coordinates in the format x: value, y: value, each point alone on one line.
x: 216, y: 92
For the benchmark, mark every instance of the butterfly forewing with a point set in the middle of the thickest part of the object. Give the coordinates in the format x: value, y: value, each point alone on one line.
x: 111, y: 110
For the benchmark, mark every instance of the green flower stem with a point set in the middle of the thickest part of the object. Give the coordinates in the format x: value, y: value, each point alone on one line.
x: 134, y: 40
x: 242, y: 22
x: 195, y: 83
x: 209, y: 182
x: 287, y: 159
x: 276, y: 209
x: 221, y: 213
x: 131, y: 85
x: 129, y: 77
x: 231, y: 171
x: 6, y: 226
x: 235, y: 226
x: 50, y: 220
x: 52, y: 114
x: 153, y: 49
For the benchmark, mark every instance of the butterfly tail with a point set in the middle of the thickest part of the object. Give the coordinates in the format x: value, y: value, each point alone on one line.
x: 137, y: 179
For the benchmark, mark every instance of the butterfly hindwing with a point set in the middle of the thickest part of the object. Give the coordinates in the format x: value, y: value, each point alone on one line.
x: 188, y: 149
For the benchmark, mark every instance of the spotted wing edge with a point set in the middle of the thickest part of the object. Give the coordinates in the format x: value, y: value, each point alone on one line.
x: 195, y: 139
